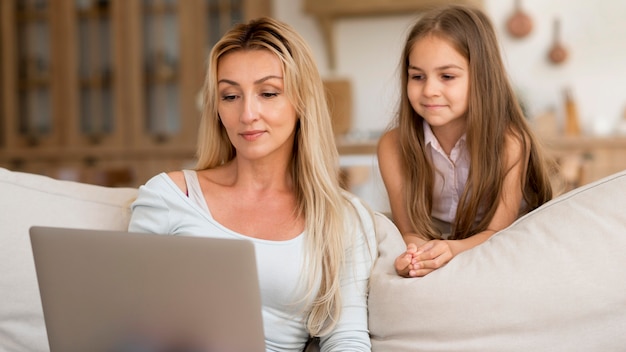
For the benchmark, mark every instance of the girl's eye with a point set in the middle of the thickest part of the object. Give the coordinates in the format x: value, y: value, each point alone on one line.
x: 417, y: 77
x: 447, y: 77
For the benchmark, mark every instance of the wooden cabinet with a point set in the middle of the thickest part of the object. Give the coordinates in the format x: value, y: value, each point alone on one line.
x: 95, y: 87
x: 584, y: 159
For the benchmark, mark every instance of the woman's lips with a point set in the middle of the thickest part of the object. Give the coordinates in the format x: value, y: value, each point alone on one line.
x: 252, y: 135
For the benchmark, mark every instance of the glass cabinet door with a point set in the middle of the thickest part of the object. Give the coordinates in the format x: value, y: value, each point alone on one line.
x: 221, y: 15
x: 96, y: 98
x: 176, y: 38
x: 164, y: 73
x: 94, y: 44
x: 34, y: 96
x: 161, y: 47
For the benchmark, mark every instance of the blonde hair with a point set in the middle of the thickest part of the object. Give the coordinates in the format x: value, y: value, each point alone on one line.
x: 315, y: 161
x: 493, y: 113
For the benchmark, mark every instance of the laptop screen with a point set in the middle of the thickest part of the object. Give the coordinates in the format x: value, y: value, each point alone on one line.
x: 120, y: 292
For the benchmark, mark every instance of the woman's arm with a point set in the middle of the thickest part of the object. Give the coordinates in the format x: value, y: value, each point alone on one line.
x: 150, y: 212
x: 351, y: 332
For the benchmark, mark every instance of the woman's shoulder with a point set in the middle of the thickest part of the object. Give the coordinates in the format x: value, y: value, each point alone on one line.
x: 178, y: 178
x: 156, y: 192
x: 164, y: 183
x: 157, y: 181
x: 364, y: 213
x: 354, y: 200
x: 363, y: 219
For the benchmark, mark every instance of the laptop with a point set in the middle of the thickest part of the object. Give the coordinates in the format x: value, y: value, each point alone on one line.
x: 115, y: 291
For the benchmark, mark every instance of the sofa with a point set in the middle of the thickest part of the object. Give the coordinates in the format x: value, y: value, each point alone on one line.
x: 555, y: 280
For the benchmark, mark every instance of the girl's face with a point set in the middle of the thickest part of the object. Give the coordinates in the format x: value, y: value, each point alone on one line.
x: 258, y: 117
x: 438, y: 83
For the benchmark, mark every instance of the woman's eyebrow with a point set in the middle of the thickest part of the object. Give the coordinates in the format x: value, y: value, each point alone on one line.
x: 224, y: 80
x: 258, y: 81
x: 261, y: 80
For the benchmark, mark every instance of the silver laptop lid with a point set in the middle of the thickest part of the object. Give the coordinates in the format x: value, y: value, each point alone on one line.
x: 108, y: 291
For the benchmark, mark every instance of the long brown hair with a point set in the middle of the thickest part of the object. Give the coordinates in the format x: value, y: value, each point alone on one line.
x: 314, y: 164
x: 493, y: 113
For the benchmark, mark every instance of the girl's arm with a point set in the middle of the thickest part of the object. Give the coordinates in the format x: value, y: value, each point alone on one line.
x: 435, y: 254
x: 390, y: 165
x: 509, y: 205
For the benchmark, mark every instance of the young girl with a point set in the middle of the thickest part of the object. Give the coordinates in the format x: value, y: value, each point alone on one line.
x: 461, y: 163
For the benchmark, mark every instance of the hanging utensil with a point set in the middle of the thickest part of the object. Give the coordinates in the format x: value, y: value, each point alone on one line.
x: 519, y: 24
x: 558, y: 53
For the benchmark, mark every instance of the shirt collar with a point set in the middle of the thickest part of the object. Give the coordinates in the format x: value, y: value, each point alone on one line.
x: 429, y: 136
x: 431, y: 140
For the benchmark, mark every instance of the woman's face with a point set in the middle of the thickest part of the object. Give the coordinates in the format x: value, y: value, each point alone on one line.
x: 438, y: 83
x: 259, y: 118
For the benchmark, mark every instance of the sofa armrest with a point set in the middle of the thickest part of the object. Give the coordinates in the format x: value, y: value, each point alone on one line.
x: 27, y: 200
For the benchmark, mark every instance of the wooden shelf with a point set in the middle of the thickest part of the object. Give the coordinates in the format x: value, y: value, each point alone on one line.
x: 34, y: 83
x: 32, y: 15
x: 67, y: 154
x: 97, y: 81
x: 160, y: 9
x: 357, y: 147
x: 586, y: 142
x: 160, y: 78
x: 584, y: 159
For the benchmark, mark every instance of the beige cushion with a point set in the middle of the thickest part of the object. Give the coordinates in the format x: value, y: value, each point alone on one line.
x: 27, y: 200
x: 553, y: 281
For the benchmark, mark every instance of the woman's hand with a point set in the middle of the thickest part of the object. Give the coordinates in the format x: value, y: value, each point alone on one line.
x: 422, y: 260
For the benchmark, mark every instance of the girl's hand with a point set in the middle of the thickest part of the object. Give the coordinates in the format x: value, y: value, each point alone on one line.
x: 403, y: 262
x: 429, y: 257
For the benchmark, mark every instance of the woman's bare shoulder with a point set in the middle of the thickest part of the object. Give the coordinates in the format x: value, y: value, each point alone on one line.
x: 178, y: 177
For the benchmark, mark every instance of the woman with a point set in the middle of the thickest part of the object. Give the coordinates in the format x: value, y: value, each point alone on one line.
x: 267, y: 172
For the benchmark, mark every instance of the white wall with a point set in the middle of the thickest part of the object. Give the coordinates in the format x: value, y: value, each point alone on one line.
x: 593, y: 31
x: 595, y: 34
x: 368, y: 50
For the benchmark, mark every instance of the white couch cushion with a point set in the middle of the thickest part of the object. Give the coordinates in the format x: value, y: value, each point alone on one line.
x: 555, y: 280
x: 27, y: 200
